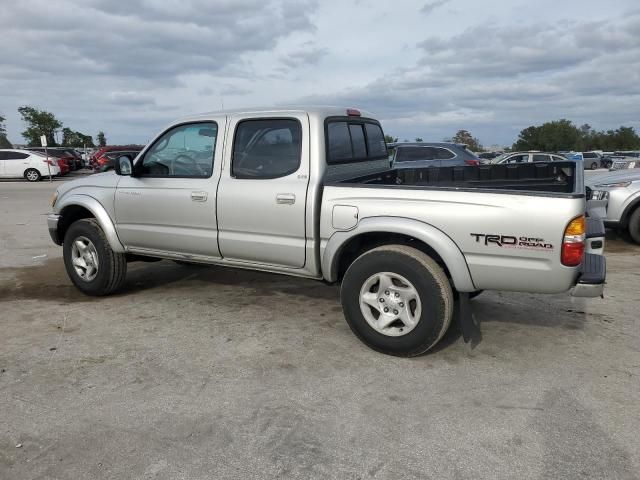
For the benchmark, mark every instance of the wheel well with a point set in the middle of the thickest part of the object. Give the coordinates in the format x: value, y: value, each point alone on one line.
x: 69, y: 215
x: 359, y: 244
x: 628, y: 212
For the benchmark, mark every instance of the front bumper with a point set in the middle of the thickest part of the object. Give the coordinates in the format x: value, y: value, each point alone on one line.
x: 52, y: 224
x: 592, y: 277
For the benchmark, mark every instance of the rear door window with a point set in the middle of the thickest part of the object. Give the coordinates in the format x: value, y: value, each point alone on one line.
x: 540, y: 157
x: 263, y: 149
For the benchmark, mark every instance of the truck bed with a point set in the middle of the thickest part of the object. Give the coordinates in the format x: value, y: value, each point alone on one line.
x: 550, y: 178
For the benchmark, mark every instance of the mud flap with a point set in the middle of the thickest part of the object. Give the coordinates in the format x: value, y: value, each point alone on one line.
x: 468, y: 323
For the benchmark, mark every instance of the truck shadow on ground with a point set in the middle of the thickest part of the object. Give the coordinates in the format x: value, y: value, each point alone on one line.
x: 49, y: 281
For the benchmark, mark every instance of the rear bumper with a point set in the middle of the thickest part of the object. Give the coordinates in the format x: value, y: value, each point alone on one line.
x: 595, y: 236
x: 592, y: 277
x: 52, y: 224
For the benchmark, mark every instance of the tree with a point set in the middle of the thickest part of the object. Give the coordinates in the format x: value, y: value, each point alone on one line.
x: 4, y: 143
x: 419, y: 140
x: 390, y: 139
x: 562, y: 134
x: 463, y: 136
x: 102, y: 140
x: 39, y: 123
x: 76, y: 139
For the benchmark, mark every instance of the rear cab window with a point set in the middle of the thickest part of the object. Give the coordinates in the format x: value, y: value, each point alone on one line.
x: 354, y: 139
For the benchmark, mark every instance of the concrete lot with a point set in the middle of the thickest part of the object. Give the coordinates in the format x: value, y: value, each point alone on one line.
x: 214, y: 373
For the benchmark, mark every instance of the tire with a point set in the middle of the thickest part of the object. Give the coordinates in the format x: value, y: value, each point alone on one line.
x: 634, y: 225
x: 111, y: 266
x: 32, y: 175
x: 593, y: 166
x: 422, y: 274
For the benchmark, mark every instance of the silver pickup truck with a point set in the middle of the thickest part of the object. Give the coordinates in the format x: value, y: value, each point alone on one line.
x: 309, y: 192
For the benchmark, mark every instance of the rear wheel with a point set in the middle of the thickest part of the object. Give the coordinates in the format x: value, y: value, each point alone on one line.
x: 92, y: 266
x: 594, y: 165
x: 32, y: 175
x: 397, y: 300
x: 634, y: 225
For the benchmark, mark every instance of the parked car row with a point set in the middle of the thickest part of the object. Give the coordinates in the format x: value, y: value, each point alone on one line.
x: 15, y: 163
x: 71, y: 157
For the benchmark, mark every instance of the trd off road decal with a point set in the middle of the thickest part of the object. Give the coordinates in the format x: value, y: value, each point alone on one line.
x: 509, y: 241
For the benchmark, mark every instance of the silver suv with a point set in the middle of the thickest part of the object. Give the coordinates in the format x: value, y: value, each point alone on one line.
x: 615, y: 197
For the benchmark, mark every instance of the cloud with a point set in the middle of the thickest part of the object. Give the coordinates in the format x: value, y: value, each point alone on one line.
x: 135, y: 99
x: 308, y: 55
x: 429, y: 7
x: 503, y: 77
x: 130, y: 66
x: 144, y: 38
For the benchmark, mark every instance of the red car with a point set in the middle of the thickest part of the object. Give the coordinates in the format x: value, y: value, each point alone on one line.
x: 111, y: 148
x: 64, y: 166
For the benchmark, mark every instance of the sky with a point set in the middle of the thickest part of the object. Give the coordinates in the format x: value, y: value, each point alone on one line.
x: 424, y: 68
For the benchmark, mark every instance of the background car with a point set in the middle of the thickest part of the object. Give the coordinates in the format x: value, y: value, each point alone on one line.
x: 615, y: 197
x: 528, y: 157
x: 63, y: 153
x: 111, y: 148
x: 107, y: 160
x: 424, y: 154
x: 26, y: 164
x: 592, y: 160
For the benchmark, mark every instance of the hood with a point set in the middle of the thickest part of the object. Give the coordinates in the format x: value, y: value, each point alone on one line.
x: 105, y: 180
x: 630, y: 175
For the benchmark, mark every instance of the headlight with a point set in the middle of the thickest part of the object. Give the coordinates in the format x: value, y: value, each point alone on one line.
x: 611, y: 185
x: 54, y: 197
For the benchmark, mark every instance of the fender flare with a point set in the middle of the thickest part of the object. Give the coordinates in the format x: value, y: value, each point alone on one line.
x: 100, y: 214
x: 435, y: 238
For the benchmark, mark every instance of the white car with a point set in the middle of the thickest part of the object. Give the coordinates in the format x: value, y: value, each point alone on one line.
x: 528, y: 157
x: 26, y: 164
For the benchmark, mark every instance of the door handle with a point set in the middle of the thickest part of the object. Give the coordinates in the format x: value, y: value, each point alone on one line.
x: 199, y: 196
x: 285, y: 198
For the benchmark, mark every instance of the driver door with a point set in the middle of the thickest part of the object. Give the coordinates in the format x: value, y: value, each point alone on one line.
x: 169, y: 205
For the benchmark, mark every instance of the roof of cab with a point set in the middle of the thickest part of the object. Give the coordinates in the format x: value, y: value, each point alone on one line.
x: 321, y: 111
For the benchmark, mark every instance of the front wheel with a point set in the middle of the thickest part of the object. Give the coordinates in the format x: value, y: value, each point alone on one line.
x: 594, y: 165
x: 397, y: 300
x: 92, y: 266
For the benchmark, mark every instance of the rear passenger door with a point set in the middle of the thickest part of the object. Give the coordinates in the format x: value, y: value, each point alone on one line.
x: 263, y: 190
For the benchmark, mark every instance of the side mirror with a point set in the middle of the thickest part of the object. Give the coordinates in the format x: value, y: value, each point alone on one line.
x: 124, y: 165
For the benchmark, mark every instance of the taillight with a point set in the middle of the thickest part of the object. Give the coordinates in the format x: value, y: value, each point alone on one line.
x: 473, y: 163
x: 573, y: 242
x: 352, y: 112
x: 51, y: 162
